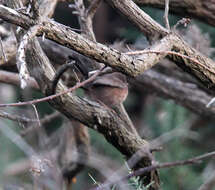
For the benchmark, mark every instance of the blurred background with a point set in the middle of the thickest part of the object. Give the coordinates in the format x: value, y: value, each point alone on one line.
x: 181, y: 133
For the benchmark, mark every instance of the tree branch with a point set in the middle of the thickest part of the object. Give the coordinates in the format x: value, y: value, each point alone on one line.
x: 195, y: 160
x: 185, y: 93
x: 13, y: 78
x: 89, y: 113
x: 200, y: 9
x: 93, y: 114
x: 144, y: 22
x: 132, y: 66
x: 166, y: 13
x: 65, y: 36
x: 17, y: 118
x: 134, y: 13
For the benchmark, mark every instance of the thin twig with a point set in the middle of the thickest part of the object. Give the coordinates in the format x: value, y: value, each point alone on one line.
x: 85, y: 17
x: 43, y: 121
x: 41, y: 132
x: 13, y: 78
x: 166, y: 20
x: 16, y: 118
x: 183, y: 131
x: 92, y: 8
x: 26, y: 120
x: 194, y: 160
x: 37, y: 115
x: 50, y: 117
x: 170, y: 53
x: 78, y: 85
x: 210, y: 103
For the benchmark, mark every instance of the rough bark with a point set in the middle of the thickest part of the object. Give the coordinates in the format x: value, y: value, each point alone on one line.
x: 89, y: 113
x: 203, y: 10
x: 203, y: 68
x: 93, y: 114
x: 185, y: 93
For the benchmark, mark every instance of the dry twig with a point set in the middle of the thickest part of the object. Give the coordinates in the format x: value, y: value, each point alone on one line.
x: 13, y: 78
x: 43, y: 121
x: 139, y: 172
x: 16, y: 118
x: 55, y: 95
x: 166, y: 20
x: 171, y: 53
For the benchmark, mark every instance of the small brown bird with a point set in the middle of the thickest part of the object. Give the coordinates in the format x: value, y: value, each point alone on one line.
x: 110, y: 89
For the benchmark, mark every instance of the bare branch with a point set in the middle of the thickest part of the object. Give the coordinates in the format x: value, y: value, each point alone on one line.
x: 13, y: 78
x: 43, y: 121
x: 194, y: 160
x: 17, y: 118
x: 181, y: 132
x: 50, y: 117
x: 200, y: 9
x: 85, y: 19
x: 26, y: 120
x: 47, y: 8
x: 37, y: 115
x: 133, y: 12
x: 92, y: 8
x: 130, y: 65
x: 187, y: 94
x: 166, y: 20
x: 55, y: 95
x: 74, y: 150
x: 21, y: 63
x: 171, y: 53
x: 143, y: 21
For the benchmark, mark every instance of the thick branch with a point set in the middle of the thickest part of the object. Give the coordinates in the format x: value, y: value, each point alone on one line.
x: 129, y: 65
x: 91, y: 114
x: 88, y: 113
x: 205, y: 71
x: 143, y: 21
x: 187, y: 94
x: 65, y: 36
x: 200, y: 9
x: 13, y: 78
